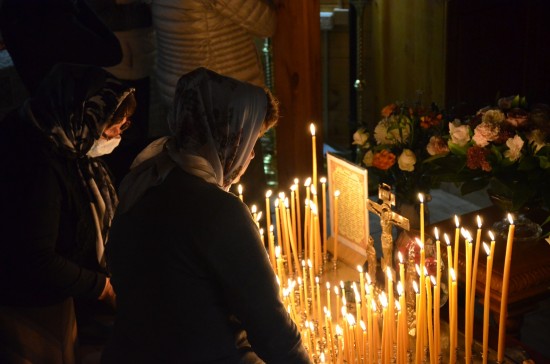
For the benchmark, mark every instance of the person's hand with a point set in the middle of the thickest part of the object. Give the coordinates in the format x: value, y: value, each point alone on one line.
x: 108, y: 295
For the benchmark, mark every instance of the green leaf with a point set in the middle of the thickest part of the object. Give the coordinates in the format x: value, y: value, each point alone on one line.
x: 544, y: 162
x: 457, y: 149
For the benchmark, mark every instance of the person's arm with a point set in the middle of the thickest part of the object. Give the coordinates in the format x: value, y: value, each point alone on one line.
x: 240, y: 264
x: 37, y: 214
x: 258, y: 17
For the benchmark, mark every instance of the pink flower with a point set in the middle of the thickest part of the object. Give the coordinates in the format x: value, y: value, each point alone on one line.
x: 460, y: 134
x: 485, y: 132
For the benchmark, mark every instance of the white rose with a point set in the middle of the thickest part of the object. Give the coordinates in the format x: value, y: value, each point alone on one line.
x: 514, y: 144
x: 367, y: 158
x: 360, y: 137
x: 407, y: 160
x: 437, y: 146
x: 460, y: 134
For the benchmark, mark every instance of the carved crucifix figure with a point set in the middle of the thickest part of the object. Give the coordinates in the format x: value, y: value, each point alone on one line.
x: 388, y: 218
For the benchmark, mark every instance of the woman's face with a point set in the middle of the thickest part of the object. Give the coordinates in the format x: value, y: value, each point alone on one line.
x: 116, y: 130
x: 245, y: 166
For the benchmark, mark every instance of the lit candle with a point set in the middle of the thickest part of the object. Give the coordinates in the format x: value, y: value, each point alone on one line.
x: 391, y: 307
x: 422, y: 333
x: 505, y: 284
x: 313, y: 152
x: 362, y: 291
x: 278, y: 223
x: 301, y: 293
x: 418, y: 314
x: 339, y: 339
x: 403, y: 326
x: 467, y: 293
x: 421, y: 198
x: 449, y: 263
x: 453, y: 324
x: 328, y: 297
x: 280, y: 267
x: 437, y: 293
x: 474, y: 280
x: 318, y: 290
x: 457, y: 239
x: 401, y: 268
x: 430, y: 319
x: 487, y: 298
x: 240, y: 189
x: 337, y: 294
x: 292, y: 242
x: 324, y: 205
x: 298, y: 216
x: 293, y: 216
x: 376, y: 333
x: 336, y: 195
x: 268, y: 208
x: 363, y: 353
x: 312, y: 284
x: 386, y: 338
x: 304, y: 275
x: 271, y: 243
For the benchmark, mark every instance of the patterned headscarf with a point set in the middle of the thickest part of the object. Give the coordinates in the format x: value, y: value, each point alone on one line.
x: 215, y: 122
x: 73, y: 105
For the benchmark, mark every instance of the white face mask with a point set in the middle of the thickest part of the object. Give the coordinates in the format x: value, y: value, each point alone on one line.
x: 103, y: 146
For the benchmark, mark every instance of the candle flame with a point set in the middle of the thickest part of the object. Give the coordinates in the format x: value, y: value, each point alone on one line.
x: 336, y: 290
x: 262, y: 231
x: 388, y: 273
x: 322, y: 357
x: 271, y: 228
x: 337, y: 193
x: 268, y: 194
x: 323, y: 180
x: 357, y: 297
x: 487, y: 249
x: 369, y: 280
x: 313, y: 190
x: 400, y: 288
x: 286, y: 203
x: 259, y: 216
x: 415, y: 286
x: 466, y: 234
x: 419, y: 242
x: 417, y: 267
x: 293, y: 188
x: 344, y: 310
x: 313, y: 208
x: 339, y: 331
x: 253, y: 209
x: 478, y: 222
x: 342, y: 284
x: 303, y: 263
x: 317, y: 280
x: 453, y: 274
x: 373, y: 304
x: 383, y: 299
x: 277, y: 251
x: 296, y: 181
x: 351, y: 319
x: 299, y: 281
x: 309, y: 263
x: 307, y: 182
x: 312, y: 129
x: 400, y: 256
x: 363, y: 326
x: 240, y: 189
x: 328, y: 286
x: 281, y: 196
x: 434, y: 282
x: 436, y: 233
x: 491, y: 235
x: 457, y: 223
x: 360, y: 269
x: 397, y: 305
x: 446, y: 237
x: 421, y: 197
x: 510, y: 219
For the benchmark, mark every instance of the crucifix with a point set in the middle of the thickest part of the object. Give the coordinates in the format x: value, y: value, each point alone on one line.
x: 388, y: 218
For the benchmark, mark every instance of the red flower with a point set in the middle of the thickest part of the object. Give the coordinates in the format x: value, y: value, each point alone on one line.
x: 477, y: 159
x: 383, y: 160
x: 429, y: 121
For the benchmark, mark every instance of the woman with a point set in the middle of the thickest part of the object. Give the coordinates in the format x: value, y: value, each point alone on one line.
x: 192, y: 277
x: 57, y: 206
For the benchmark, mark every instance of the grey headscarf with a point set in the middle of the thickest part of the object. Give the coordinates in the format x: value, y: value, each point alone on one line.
x: 216, y: 121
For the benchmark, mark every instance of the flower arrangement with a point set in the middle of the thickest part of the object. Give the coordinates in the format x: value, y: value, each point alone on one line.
x: 504, y: 148
x: 396, y: 151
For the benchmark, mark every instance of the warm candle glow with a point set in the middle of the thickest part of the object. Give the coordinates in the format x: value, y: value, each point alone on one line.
x: 312, y: 129
x: 307, y: 182
x: 436, y: 233
x: 491, y: 235
x: 240, y: 189
x: 478, y: 222
x: 504, y: 296
x: 420, y: 244
x: 421, y: 198
x: 323, y: 180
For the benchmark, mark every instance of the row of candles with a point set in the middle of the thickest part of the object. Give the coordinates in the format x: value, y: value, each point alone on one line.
x: 342, y: 336
x: 378, y: 332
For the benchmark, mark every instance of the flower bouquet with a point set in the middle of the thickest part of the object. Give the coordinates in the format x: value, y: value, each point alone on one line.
x: 396, y: 151
x: 503, y: 148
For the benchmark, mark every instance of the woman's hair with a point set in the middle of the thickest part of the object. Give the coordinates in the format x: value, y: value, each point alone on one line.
x: 126, y: 109
x: 272, y: 112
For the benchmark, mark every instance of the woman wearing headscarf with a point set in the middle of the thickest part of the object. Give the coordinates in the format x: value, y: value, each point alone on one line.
x: 193, y: 280
x: 57, y: 205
